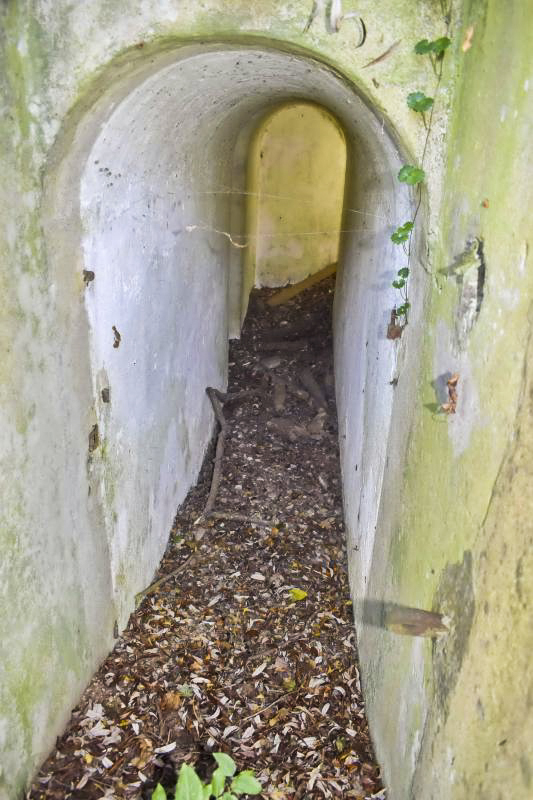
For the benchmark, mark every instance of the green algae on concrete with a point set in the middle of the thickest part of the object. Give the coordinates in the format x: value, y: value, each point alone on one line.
x: 455, y: 529
x: 464, y: 530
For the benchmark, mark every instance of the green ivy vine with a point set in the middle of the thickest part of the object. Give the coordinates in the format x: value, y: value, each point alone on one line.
x: 414, y: 175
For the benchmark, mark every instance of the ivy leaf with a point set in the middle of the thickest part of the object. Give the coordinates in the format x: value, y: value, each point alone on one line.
x: 246, y: 783
x: 159, y: 793
x: 423, y: 47
x: 400, y: 311
x: 411, y: 175
x: 401, y: 234
x: 228, y: 796
x: 419, y: 101
x: 399, y: 284
x: 403, y: 272
x: 399, y: 237
x: 297, y: 594
x: 226, y: 764
x: 438, y: 46
x: 189, y: 785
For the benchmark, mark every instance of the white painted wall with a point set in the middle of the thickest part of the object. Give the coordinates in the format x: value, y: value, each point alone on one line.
x: 155, y: 206
x: 171, y: 129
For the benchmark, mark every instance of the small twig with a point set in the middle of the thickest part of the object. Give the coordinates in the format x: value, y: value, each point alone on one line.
x: 213, y: 395
x: 265, y: 523
x: 383, y: 56
x: 155, y: 586
x: 262, y: 710
x: 307, y: 380
x: 230, y: 398
x: 288, y: 292
x: 217, y: 398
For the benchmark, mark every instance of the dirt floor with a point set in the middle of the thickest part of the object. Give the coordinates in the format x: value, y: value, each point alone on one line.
x: 249, y: 648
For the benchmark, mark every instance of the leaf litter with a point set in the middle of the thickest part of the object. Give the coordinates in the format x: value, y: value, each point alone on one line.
x: 250, y: 648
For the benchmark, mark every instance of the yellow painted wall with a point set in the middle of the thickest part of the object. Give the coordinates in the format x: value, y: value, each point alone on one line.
x: 296, y: 183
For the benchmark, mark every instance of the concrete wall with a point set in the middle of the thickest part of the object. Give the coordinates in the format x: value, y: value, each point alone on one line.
x: 297, y: 167
x: 125, y: 128
x: 457, y: 530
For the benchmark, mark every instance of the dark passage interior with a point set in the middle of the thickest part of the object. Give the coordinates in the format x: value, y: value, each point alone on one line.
x: 246, y: 644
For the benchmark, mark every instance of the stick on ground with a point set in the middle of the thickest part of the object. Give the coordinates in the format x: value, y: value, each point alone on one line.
x: 213, y: 395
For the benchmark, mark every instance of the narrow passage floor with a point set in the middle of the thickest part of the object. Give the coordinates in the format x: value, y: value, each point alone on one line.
x: 249, y: 648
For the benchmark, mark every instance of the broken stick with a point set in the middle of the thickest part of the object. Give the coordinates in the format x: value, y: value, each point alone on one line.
x: 214, y: 396
x: 291, y: 291
x: 228, y: 515
x: 156, y: 584
x: 217, y: 398
x: 307, y: 379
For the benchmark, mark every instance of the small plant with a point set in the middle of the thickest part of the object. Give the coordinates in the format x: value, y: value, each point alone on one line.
x: 400, y: 283
x: 411, y: 175
x: 434, y: 49
x: 401, y: 234
x: 190, y: 787
x: 420, y: 102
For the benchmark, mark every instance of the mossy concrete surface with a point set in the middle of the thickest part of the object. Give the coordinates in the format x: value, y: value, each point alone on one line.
x: 460, y: 540
x: 438, y: 508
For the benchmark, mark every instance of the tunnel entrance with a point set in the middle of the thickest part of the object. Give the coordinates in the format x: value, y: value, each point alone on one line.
x: 295, y: 195
x: 146, y: 219
x: 147, y: 193
x: 245, y: 642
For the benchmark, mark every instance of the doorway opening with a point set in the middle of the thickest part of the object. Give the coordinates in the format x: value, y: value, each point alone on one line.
x: 295, y: 194
x: 147, y: 192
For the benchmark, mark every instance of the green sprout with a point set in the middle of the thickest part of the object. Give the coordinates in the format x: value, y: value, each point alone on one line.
x: 435, y: 50
x: 190, y: 787
x: 400, y: 283
x: 401, y: 234
x: 411, y: 175
x: 420, y: 102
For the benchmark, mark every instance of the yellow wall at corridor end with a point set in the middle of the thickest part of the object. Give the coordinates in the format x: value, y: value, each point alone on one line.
x: 296, y: 182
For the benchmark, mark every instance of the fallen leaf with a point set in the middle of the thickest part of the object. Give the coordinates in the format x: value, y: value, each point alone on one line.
x: 167, y: 748
x: 171, y: 701
x: 297, y: 594
x: 451, y: 406
x: 394, y: 331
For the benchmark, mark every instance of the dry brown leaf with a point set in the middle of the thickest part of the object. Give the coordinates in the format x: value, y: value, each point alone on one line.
x: 171, y: 701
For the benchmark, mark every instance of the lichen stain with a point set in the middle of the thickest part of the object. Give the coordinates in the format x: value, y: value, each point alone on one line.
x: 455, y: 598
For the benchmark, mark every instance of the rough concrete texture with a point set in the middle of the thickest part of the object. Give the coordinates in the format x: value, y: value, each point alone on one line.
x: 296, y: 182
x: 456, y: 532
x: 166, y: 98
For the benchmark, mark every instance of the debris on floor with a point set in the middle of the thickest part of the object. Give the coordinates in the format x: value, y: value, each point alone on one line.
x: 249, y: 646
